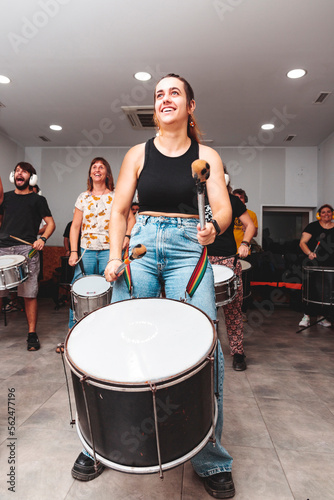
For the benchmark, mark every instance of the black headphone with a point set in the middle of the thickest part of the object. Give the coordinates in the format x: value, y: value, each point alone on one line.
x: 32, y: 181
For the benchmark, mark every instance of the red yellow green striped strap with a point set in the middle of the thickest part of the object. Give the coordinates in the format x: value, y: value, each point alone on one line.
x: 127, y: 272
x: 198, y: 273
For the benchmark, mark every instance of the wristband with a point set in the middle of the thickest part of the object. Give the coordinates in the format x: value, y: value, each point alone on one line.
x: 110, y: 260
x: 215, y: 225
x: 42, y: 238
x: 127, y: 236
x: 245, y: 243
x: 74, y: 251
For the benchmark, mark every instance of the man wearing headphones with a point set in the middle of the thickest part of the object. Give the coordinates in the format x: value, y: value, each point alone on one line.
x: 22, y: 211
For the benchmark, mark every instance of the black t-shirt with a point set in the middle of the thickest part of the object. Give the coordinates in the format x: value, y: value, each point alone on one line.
x: 325, y: 250
x: 224, y: 245
x: 22, y: 216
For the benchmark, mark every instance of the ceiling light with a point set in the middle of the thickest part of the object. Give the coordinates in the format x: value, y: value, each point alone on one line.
x: 56, y: 127
x: 142, y: 76
x: 4, y: 79
x: 296, y: 73
x: 267, y: 126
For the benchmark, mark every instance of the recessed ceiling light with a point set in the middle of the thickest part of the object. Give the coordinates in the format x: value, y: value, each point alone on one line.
x: 267, y: 126
x: 4, y: 79
x: 56, y: 127
x: 296, y: 73
x: 142, y: 76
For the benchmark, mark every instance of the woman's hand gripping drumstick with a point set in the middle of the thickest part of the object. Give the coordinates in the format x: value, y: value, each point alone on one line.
x: 200, y: 172
x: 111, y: 274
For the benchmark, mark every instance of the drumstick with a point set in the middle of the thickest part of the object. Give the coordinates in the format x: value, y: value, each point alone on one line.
x: 201, y: 173
x: 32, y: 252
x: 137, y: 253
x: 321, y: 237
x: 22, y: 241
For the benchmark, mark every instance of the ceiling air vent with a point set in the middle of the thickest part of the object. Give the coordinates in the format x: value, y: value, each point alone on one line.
x: 289, y: 138
x: 140, y: 117
x: 321, y: 97
x: 43, y: 138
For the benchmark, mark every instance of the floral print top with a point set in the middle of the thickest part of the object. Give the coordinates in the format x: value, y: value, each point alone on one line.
x: 95, y: 220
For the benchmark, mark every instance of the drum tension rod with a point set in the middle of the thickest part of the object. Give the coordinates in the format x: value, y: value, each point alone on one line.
x: 61, y: 347
x: 83, y: 380
x: 213, y: 438
x: 154, y: 390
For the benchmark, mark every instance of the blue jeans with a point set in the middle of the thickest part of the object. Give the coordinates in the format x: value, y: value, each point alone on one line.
x: 172, y: 254
x: 94, y: 262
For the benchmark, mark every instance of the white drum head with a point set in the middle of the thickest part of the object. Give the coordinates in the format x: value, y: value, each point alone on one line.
x: 245, y: 266
x: 140, y: 340
x: 221, y: 273
x: 7, y: 261
x: 88, y: 286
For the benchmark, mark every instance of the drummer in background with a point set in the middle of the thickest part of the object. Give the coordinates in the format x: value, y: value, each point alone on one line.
x: 319, y: 250
x: 222, y: 251
x: 239, y: 235
x: 91, y: 218
x: 168, y: 226
x: 23, y: 212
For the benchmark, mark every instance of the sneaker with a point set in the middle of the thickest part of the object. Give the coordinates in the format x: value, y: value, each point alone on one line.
x: 324, y: 322
x: 305, y: 321
x: 239, y: 363
x: 84, y: 468
x: 220, y: 485
x: 33, y: 342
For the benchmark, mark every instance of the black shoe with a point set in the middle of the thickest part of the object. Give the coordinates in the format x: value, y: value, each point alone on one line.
x: 239, y: 363
x: 84, y: 469
x: 220, y: 485
x: 33, y: 342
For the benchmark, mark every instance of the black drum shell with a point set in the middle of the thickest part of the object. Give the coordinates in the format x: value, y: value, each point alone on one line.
x: 123, y: 425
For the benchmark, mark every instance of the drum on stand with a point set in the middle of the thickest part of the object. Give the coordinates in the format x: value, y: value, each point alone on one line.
x: 142, y: 370
x: 89, y: 293
x: 318, y: 289
x: 226, y: 284
x: 246, y: 267
x: 13, y: 271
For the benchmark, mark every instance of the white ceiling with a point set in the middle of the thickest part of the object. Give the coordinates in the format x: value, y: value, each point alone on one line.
x: 72, y: 62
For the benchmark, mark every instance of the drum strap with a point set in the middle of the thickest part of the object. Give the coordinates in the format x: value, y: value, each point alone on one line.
x: 198, y: 273
x: 127, y: 272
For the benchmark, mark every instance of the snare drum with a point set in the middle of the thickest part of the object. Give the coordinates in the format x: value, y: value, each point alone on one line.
x: 13, y: 271
x: 246, y: 267
x: 142, y: 403
x: 226, y: 284
x: 318, y: 287
x: 89, y: 293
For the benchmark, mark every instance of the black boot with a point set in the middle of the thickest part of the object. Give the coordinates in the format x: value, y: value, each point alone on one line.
x: 84, y: 468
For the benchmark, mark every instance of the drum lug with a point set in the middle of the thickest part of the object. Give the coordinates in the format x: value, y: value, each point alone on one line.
x: 154, y: 390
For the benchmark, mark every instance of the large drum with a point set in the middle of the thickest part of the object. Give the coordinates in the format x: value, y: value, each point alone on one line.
x: 226, y: 284
x: 318, y: 287
x: 142, y: 373
x: 246, y: 288
x: 13, y: 271
x: 89, y: 293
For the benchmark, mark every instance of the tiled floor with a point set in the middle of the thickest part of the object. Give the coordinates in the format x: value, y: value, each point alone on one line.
x: 278, y: 418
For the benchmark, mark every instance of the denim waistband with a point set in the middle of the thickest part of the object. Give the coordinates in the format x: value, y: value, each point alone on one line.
x: 171, y: 221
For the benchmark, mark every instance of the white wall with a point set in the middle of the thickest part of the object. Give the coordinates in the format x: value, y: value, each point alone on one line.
x: 326, y: 172
x: 10, y: 154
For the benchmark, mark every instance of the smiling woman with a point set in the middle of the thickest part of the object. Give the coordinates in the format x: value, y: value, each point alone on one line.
x: 91, y: 220
x: 168, y: 226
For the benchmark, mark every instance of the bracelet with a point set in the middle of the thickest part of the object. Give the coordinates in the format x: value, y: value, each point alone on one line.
x: 74, y: 251
x: 245, y: 243
x: 127, y: 236
x: 114, y: 259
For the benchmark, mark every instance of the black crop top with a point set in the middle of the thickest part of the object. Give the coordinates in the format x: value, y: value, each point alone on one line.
x: 166, y: 184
